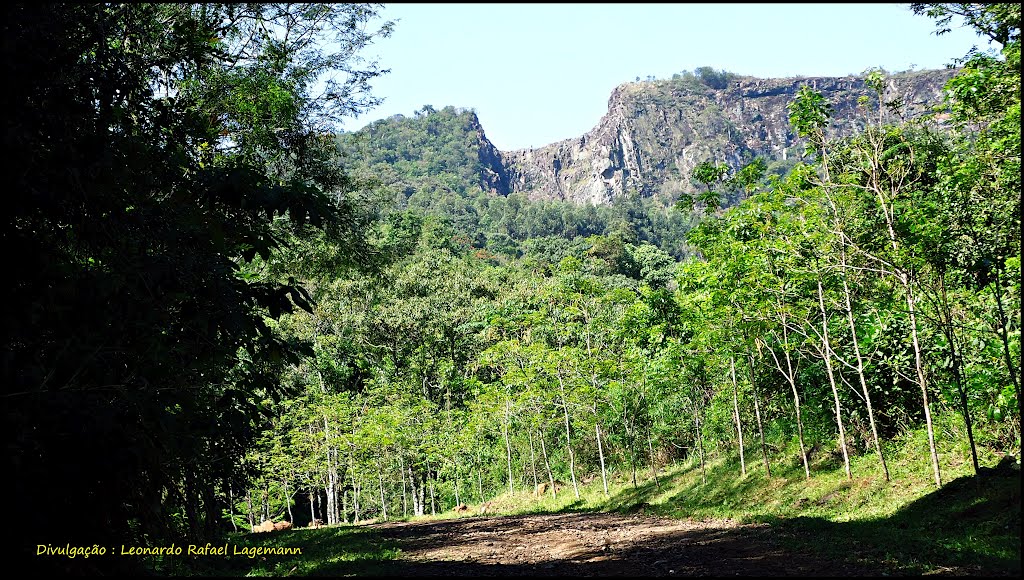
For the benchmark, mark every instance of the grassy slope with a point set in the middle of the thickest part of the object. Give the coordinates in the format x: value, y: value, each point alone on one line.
x: 906, y: 526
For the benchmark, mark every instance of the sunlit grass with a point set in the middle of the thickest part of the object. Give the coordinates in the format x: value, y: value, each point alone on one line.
x: 905, y: 524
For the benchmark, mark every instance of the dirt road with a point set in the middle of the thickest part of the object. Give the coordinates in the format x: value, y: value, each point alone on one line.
x: 599, y: 544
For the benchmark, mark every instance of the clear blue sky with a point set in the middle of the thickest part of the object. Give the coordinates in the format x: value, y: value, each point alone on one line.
x: 538, y: 73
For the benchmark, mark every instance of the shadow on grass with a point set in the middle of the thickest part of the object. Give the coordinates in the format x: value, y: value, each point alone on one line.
x: 970, y: 525
x: 334, y: 551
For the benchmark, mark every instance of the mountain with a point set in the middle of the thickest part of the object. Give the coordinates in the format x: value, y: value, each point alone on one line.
x: 648, y: 142
x: 654, y: 133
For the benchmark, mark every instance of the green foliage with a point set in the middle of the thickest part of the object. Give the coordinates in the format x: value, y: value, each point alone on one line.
x: 715, y: 79
x: 809, y: 114
x: 161, y: 149
x: 219, y: 319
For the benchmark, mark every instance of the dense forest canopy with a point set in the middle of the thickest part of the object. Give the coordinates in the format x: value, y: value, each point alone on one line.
x: 223, y: 312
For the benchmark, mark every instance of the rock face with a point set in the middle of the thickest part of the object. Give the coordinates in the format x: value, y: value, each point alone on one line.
x: 655, y: 132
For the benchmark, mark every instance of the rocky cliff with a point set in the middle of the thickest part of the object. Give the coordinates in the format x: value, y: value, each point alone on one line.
x: 655, y: 132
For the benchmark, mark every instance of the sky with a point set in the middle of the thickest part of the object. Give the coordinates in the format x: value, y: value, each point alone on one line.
x: 539, y: 73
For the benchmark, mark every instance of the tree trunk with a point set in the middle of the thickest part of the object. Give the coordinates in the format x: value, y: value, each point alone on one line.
x: 288, y: 502
x: 248, y: 503
x: 654, y: 467
x: 904, y: 277
x: 600, y: 454
x: 458, y: 496
x: 383, y: 501
x: 344, y: 507
x: 736, y: 413
x: 231, y: 508
x: 1003, y: 332
x: 266, y: 500
x: 356, y: 504
x: 627, y: 427
x: 417, y: 495
x: 479, y: 476
x: 790, y: 375
x: 423, y: 498
x: 508, y: 446
x: 401, y: 473
x: 860, y: 368
x: 547, y: 465
x: 533, y: 460
x: 700, y: 446
x: 332, y: 475
x: 568, y: 437
x: 430, y: 483
x: 919, y: 364
x: 757, y: 415
x: 956, y: 360
x: 832, y: 380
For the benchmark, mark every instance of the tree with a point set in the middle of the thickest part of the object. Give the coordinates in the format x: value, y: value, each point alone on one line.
x: 161, y: 148
x: 709, y: 174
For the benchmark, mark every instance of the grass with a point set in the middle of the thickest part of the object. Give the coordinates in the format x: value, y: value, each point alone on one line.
x: 330, y: 551
x: 907, y: 526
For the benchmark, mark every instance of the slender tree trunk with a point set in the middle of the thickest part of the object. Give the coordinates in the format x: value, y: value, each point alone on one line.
x: 957, y: 366
x: 266, y: 501
x: 956, y: 359
x: 791, y: 379
x: 417, y: 496
x: 1004, y: 337
x: 508, y: 447
x: 479, y: 475
x: 533, y: 460
x: 827, y: 347
x: 654, y: 467
x: 288, y: 502
x: 626, y: 427
x: 423, y: 497
x: 430, y: 483
x: 736, y: 413
x: 248, y: 503
x: 344, y: 507
x: 401, y: 472
x: 921, y: 380
x: 600, y: 455
x: 568, y: 437
x: 231, y: 508
x: 355, y: 500
x: 547, y: 465
x: 757, y: 415
x: 458, y: 497
x: 212, y: 508
x: 383, y: 501
x: 860, y: 368
x: 332, y: 474
x: 904, y: 277
x: 312, y: 508
x: 332, y: 481
x: 700, y: 446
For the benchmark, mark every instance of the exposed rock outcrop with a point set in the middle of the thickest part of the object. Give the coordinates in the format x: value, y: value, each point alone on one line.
x: 655, y: 132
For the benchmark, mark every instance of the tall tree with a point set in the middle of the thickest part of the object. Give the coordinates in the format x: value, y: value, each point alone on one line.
x: 161, y: 148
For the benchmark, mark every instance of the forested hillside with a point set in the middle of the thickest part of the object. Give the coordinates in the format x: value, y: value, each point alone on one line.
x: 866, y: 296
x: 223, y: 313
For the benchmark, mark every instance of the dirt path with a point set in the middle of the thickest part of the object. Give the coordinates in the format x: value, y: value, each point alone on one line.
x: 598, y: 544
